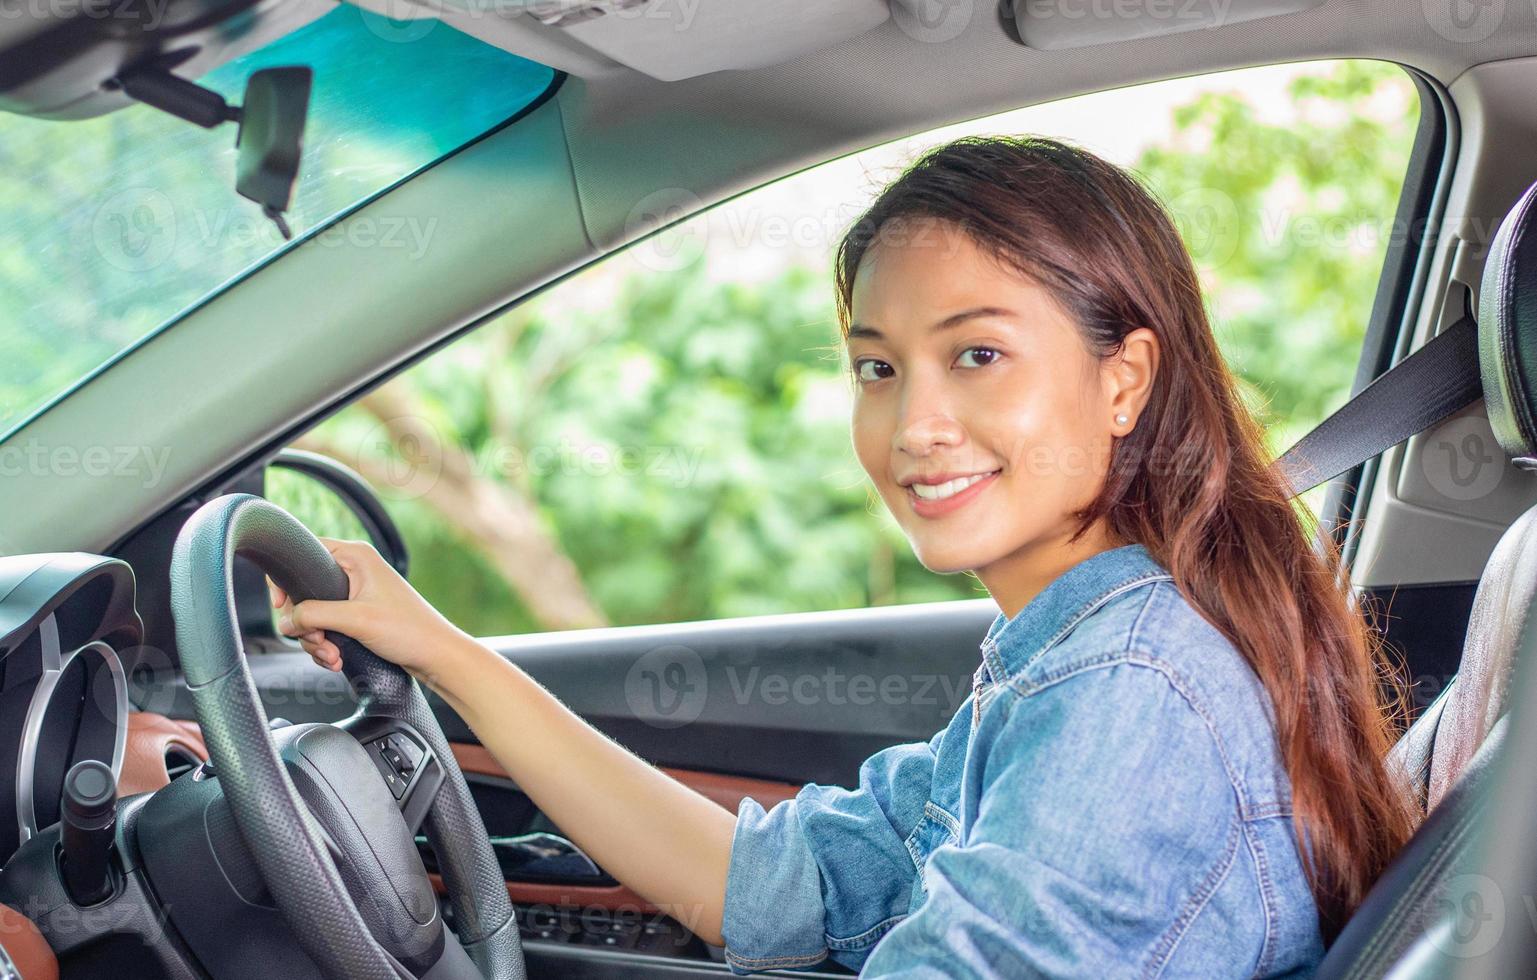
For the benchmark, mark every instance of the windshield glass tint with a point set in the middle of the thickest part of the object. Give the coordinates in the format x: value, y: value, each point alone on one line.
x: 112, y: 226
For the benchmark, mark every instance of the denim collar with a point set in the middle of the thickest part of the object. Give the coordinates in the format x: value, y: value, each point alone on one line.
x: 1012, y: 644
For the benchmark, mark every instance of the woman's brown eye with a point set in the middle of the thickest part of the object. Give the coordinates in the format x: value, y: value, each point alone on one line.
x: 978, y: 357
x: 870, y: 369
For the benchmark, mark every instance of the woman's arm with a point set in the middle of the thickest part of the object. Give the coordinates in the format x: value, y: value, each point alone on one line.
x: 662, y: 839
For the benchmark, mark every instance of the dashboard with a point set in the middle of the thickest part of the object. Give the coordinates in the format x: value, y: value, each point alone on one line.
x: 68, y: 634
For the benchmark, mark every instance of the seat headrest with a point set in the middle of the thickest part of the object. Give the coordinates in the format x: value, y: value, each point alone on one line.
x: 1507, y: 329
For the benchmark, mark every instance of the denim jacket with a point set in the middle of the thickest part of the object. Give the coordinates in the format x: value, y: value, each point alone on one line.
x: 1109, y: 801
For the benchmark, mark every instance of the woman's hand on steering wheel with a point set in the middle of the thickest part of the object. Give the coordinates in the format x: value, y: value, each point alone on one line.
x: 382, y: 611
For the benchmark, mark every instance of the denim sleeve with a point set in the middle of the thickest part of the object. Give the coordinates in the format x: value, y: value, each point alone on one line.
x: 1105, y: 819
x: 826, y: 871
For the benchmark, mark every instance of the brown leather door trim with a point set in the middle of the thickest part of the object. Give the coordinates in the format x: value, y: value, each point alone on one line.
x: 26, y: 947
x: 724, y: 791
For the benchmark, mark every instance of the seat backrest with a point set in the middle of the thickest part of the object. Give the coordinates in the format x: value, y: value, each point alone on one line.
x: 1477, y: 699
x: 1415, y: 893
x: 1449, y: 750
x: 1411, y: 756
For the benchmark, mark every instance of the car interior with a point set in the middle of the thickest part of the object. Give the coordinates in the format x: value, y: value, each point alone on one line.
x: 184, y: 794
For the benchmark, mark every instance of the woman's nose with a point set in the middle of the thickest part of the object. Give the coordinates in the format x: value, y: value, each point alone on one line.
x: 927, y: 423
x: 926, y: 435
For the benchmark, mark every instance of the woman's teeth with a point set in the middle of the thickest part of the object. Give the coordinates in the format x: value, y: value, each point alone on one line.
x: 939, y: 491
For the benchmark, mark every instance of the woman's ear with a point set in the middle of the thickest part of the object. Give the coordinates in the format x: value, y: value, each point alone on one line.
x: 1129, y: 377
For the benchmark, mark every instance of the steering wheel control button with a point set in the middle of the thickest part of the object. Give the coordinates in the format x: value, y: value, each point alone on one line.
x: 393, y: 762
x: 409, y: 750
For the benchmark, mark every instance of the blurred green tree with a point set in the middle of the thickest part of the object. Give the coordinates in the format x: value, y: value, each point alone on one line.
x: 1289, y: 224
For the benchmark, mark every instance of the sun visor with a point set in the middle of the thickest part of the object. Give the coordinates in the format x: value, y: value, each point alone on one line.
x: 670, y: 39
x: 1048, y: 25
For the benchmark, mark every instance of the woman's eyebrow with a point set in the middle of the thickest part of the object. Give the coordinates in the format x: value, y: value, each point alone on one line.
x: 861, y: 330
x: 977, y: 311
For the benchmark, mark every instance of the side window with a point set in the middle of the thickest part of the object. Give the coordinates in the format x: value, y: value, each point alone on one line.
x: 664, y: 437
x: 317, y: 506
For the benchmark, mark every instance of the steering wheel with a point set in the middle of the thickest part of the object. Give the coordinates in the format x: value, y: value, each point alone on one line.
x: 329, y: 811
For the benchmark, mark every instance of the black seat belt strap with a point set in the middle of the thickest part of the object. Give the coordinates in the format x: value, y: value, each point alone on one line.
x: 1433, y: 383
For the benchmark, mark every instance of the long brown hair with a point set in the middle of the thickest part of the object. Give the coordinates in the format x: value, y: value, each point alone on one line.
x: 1193, y: 482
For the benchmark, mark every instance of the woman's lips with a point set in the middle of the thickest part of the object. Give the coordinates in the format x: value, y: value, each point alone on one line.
x: 946, y: 505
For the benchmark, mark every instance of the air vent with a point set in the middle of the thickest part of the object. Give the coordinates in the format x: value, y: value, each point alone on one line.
x: 179, y: 761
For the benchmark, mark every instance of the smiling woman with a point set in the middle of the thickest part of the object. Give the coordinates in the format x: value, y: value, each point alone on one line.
x: 91, y: 265
x: 1103, y: 421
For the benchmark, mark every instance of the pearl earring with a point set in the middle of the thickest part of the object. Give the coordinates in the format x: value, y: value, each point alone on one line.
x: 1121, y: 420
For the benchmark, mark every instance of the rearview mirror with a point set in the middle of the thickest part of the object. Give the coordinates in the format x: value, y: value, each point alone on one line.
x: 271, y: 138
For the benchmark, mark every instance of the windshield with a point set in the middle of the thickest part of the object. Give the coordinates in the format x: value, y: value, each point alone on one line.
x: 114, y: 225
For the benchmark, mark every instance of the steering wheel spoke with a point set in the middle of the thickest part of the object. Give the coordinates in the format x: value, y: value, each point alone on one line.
x: 404, y: 760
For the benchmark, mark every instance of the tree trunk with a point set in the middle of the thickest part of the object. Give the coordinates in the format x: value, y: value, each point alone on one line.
x: 501, y: 521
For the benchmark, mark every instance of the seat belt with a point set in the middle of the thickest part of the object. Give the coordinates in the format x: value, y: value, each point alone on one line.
x: 1425, y: 388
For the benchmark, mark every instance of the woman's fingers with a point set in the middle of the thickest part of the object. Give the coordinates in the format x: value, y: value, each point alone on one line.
x: 323, y: 652
x: 333, y: 662
x: 320, y: 614
x: 311, y: 635
x: 336, y: 545
x: 317, y: 641
x: 346, y: 553
x: 307, y: 623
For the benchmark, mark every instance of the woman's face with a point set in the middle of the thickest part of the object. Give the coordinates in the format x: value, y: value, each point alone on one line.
x: 979, y: 414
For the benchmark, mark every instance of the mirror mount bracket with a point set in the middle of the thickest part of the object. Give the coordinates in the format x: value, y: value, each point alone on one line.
x: 170, y: 93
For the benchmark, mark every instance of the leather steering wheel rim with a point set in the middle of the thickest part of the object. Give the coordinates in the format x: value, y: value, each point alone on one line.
x: 283, y: 837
